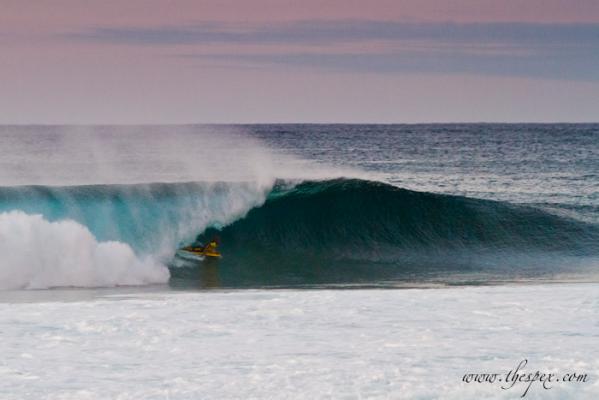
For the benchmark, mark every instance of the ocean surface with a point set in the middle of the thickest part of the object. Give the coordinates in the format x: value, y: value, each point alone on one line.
x: 359, y: 261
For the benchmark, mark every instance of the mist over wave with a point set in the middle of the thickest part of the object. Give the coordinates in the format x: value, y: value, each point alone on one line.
x: 109, y: 155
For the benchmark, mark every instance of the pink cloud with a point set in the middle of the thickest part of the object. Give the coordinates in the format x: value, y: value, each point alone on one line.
x: 38, y: 16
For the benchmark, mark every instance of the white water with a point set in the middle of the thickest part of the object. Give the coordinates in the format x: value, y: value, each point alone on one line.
x: 37, y: 254
x: 345, y: 344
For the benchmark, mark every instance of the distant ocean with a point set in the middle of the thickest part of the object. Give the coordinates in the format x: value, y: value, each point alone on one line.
x: 484, y: 225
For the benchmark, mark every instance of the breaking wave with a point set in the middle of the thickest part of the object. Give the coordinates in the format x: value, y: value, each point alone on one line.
x: 340, y: 230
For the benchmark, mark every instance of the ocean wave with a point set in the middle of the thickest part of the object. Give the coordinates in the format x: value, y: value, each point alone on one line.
x: 334, y: 230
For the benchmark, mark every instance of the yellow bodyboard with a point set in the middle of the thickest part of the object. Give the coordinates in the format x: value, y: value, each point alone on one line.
x: 197, y: 251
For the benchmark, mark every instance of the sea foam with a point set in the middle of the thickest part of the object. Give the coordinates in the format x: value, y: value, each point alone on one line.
x: 38, y: 254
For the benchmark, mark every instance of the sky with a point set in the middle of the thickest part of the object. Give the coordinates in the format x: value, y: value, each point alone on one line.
x: 247, y: 61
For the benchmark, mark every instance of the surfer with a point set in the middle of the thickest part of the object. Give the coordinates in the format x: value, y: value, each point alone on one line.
x: 210, y: 248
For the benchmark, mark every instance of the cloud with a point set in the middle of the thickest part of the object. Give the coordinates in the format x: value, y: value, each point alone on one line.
x: 556, y: 51
x: 325, y: 31
x: 541, y: 66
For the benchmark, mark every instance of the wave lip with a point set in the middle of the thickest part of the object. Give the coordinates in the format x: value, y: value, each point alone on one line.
x: 38, y: 254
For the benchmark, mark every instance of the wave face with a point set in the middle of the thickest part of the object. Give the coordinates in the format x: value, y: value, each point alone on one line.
x: 349, y: 230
